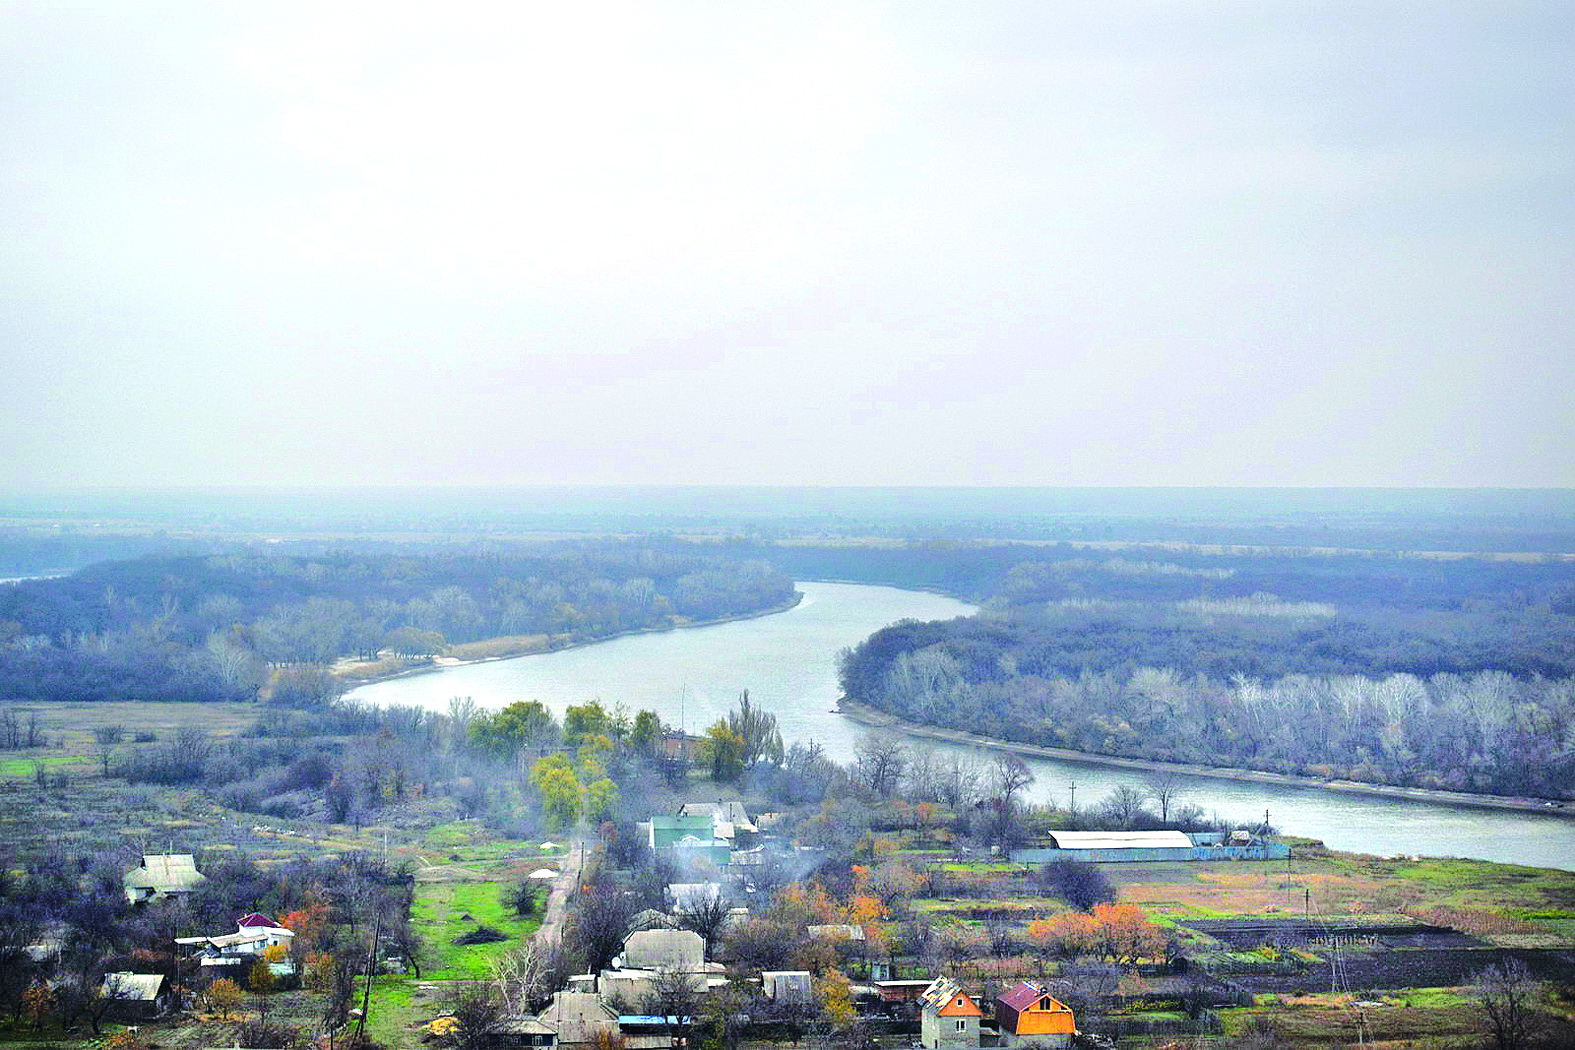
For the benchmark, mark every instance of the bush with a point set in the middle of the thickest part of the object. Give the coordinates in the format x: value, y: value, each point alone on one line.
x: 1079, y: 884
x: 522, y: 898
x: 481, y: 935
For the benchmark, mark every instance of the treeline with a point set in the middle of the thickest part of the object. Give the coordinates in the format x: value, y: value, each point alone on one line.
x: 1016, y: 574
x: 1413, y: 671
x: 205, y: 628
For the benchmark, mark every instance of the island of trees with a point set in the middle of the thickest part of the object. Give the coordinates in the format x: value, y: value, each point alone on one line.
x: 1396, y: 669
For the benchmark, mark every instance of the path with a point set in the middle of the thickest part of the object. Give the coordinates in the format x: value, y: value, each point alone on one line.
x: 567, y: 882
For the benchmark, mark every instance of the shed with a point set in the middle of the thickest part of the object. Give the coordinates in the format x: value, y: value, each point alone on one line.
x: 837, y: 932
x: 577, y: 1017
x: 786, y: 986
x: 513, y: 1033
x: 136, y: 996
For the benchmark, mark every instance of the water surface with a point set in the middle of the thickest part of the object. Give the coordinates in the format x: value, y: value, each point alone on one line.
x: 787, y: 661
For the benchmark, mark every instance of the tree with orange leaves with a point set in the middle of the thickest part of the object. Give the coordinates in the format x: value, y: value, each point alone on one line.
x: 308, y: 924
x: 1126, y: 934
x: 1070, y: 935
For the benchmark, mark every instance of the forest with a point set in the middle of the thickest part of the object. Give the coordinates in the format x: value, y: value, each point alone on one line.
x: 1383, y: 668
x: 211, y: 627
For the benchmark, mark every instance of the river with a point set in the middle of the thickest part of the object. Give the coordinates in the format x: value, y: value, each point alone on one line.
x: 787, y: 661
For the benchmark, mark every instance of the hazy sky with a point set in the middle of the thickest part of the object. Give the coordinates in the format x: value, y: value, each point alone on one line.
x: 842, y: 243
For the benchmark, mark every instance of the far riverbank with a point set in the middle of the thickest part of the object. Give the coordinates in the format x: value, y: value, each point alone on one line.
x: 512, y: 647
x: 869, y: 716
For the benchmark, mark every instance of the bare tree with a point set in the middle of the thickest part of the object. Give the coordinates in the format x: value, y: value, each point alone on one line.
x: 523, y: 976
x: 705, y: 913
x: 1508, y: 995
x: 1165, y: 790
x: 958, y: 780
x: 475, y: 1008
x: 107, y: 738
x: 675, y: 995
x: 881, y: 760
x: 601, y: 918
x: 1009, y: 775
x: 1123, y: 806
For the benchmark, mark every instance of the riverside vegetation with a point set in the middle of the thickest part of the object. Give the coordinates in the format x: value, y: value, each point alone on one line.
x: 447, y: 815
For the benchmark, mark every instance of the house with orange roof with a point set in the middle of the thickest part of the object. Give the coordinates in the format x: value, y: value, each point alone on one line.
x: 948, y: 1016
x: 1028, y: 1016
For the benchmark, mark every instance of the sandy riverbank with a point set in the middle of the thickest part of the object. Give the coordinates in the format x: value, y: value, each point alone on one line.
x: 365, y: 673
x: 879, y: 719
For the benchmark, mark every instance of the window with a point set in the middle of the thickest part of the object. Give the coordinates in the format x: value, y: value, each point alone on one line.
x: 962, y: 1026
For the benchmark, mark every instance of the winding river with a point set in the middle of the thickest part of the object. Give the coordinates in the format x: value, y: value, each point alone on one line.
x: 787, y: 661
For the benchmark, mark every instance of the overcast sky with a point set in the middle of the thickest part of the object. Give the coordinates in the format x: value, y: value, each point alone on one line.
x: 1040, y: 243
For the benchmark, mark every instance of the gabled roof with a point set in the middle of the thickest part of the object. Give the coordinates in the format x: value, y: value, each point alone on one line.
x: 730, y: 811
x: 133, y: 987
x: 1021, y: 997
x: 650, y: 919
x: 945, y: 997
x: 518, y: 1026
x: 165, y: 873
x: 577, y: 1016
x: 257, y: 919
x: 682, y: 951
x: 1025, y: 995
x: 1121, y: 839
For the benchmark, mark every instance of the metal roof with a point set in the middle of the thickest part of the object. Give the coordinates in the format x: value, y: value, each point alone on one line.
x: 1121, y: 839
x: 136, y: 987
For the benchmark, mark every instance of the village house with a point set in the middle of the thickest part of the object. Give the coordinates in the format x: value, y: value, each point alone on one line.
x: 162, y: 875
x: 577, y: 1019
x: 137, y: 996
x: 254, y: 934
x: 688, y: 842
x: 518, y: 1033
x: 1028, y: 1016
x: 948, y: 1016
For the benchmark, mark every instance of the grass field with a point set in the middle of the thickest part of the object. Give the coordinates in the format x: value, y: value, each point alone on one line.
x: 440, y: 912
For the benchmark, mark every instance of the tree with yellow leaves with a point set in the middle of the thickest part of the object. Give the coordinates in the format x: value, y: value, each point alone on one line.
x: 223, y: 997
x: 833, y: 996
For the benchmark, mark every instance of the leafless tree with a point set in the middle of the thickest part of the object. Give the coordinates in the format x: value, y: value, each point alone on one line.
x: 523, y: 976
x: 1165, y: 790
x: 1508, y: 996
x: 705, y: 913
x: 1009, y: 775
x: 881, y: 760
x: 674, y: 994
x: 475, y: 1008
x: 1123, y: 806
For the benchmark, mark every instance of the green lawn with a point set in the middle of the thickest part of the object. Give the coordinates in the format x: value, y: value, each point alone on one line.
x: 436, y: 912
x: 25, y: 768
x: 395, y: 1009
